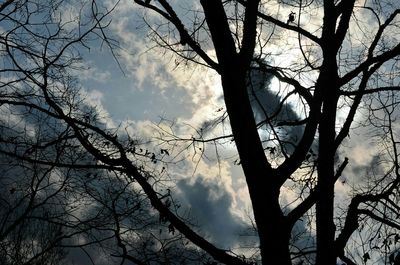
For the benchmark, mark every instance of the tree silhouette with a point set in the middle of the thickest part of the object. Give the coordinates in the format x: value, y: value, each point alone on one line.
x: 106, y: 186
x: 337, y: 79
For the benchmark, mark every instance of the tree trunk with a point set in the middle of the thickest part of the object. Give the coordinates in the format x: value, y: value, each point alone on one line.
x: 326, y: 171
x: 262, y: 184
x: 272, y: 229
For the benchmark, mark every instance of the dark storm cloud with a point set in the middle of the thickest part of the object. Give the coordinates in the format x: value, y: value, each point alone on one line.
x: 210, y: 206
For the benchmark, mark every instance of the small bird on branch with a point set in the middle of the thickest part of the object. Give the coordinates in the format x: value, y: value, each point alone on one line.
x: 291, y: 18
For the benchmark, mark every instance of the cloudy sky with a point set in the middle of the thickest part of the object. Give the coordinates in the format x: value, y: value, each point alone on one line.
x: 148, y: 85
x: 146, y: 89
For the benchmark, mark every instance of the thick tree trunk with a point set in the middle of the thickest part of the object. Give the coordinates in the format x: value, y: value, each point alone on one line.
x: 262, y: 184
x: 326, y: 171
x: 328, y: 91
x: 272, y: 229
x: 325, y: 202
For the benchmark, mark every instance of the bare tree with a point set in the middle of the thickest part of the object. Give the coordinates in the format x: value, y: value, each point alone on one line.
x: 335, y: 74
x: 56, y: 196
x: 37, y: 155
x: 329, y: 72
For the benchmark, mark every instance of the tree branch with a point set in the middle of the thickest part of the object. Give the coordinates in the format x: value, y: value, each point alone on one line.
x: 249, y: 32
x: 379, y: 59
x: 307, y: 203
x: 5, y: 4
x: 220, y: 32
x: 345, y: 9
x: 380, y: 219
x: 218, y: 254
x: 354, y: 107
x: 283, y: 24
x: 172, y: 17
x: 370, y: 91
